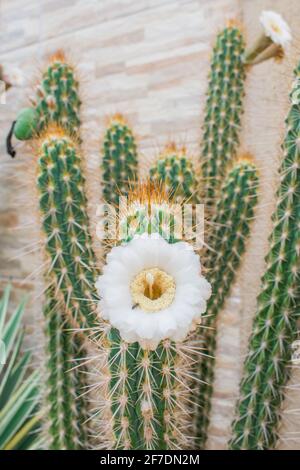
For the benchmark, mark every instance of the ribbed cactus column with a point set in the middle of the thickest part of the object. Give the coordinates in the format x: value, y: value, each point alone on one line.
x: 66, y: 410
x: 268, y: 364
x: 57, y: 95
x: 223, y: 110
x: 68, y: 247
x: 144, y: 390
x: 175, y: 169
x: 119, y: 164
x: 72, y: 276
x: 119, y: 167
x: 227, y: 239
x: 65, y: 223
x: 57, y: 100
x: 137, y: 381
x: 150, y: 366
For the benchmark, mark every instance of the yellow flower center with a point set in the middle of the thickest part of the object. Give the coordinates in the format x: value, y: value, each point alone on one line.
x: 153, y: 290
x: 275, y: 28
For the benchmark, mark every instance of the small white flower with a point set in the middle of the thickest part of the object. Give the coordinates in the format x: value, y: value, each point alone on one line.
x: 14, y: 76
x: 151, y: 290
x: 276, y: 28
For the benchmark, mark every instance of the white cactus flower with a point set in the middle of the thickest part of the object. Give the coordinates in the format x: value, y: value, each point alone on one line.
x: 151, y: 290
x: 276, y: 28
x: 14, y: 76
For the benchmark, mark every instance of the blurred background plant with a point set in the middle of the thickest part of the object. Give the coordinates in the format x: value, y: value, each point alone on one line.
x: 19, y: 384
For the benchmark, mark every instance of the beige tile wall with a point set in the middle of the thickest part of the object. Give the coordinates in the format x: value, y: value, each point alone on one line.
x: 149, y: 60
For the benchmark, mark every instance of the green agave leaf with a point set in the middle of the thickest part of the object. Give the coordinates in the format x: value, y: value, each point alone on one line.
x: 34, y: 442
x: 7, y: 371
x: 3, y: 308
x: 18, y: 408
x: 12, y: 327
x: 19, y: 399
x: 14, y: 378
x: 26, y: 437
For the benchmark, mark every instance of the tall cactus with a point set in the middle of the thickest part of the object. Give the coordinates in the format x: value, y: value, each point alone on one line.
x: 71, y: 272
x: 227, y: 239
x: 268, y: 363
x: 223, y: 110
x: 176, y: 171
x: 148, y: 391
x: 229, y: 196
x: 119, y: 164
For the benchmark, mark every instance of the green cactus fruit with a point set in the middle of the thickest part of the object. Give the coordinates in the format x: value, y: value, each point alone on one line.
x: 26, y: 124
x: 224, y: 106
x: 267, y: 367
x: 176, y: 171
x: 119, y: 164
x: 227, y: 241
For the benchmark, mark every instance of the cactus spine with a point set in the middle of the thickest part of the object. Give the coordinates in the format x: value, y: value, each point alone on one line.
x: 268, y: 363
x: 223, y: 110
x: 230, y: 229
x: 119, y: 164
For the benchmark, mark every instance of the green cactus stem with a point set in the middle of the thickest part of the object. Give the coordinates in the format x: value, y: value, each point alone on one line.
x: 148, y: 389
x: 136, y: 383
x: 64, y: 381
x: 57, y: 95
x: 65, y: 223
x: 224, y: 106
x: 72, y: 277
x: 227, y: 240
x: 57, y: 100
x: 175, y: 169
x: 119, y: 164
x: 267, y: 367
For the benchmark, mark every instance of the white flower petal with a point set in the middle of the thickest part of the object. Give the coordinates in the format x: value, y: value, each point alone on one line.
x: 149, y: 328
x: 276, y: 28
